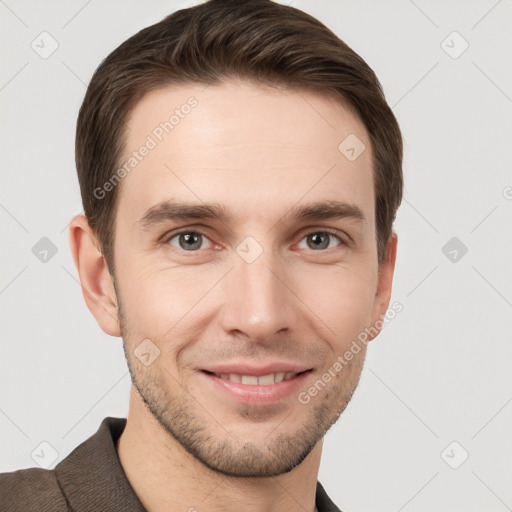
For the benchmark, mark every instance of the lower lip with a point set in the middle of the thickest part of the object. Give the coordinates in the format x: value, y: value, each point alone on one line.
x: 256, y: 394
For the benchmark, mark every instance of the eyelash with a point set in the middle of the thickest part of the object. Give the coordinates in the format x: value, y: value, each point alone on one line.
x: 168, y: 237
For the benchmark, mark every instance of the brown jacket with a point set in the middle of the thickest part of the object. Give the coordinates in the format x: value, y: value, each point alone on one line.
x: 89, y: 479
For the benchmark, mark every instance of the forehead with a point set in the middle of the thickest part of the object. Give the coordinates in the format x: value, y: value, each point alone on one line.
x: 257, y: 149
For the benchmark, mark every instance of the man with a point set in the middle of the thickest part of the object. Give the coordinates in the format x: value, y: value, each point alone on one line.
x: 240, y: 172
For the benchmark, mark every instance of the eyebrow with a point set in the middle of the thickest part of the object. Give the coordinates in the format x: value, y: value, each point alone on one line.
x: 170, y: 210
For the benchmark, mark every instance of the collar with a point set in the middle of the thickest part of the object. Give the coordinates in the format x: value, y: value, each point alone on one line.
x: 91, y: 476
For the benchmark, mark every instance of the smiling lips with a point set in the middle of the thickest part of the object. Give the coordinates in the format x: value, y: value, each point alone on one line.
x: 262, y: 385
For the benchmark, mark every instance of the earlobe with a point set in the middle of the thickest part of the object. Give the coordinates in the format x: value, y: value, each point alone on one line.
x: 385, y: 284
x: 97, y: 283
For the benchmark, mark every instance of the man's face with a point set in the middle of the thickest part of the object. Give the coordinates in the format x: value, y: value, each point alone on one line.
x: 234, y: 303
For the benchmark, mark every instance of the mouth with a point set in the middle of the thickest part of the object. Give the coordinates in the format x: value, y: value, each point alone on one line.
x: 255, y: 387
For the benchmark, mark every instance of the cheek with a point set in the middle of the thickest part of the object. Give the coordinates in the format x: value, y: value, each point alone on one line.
x: 341, y: 298
x: 159, y: 300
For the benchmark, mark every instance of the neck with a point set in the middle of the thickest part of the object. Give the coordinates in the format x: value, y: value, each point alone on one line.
x: 166, y: 477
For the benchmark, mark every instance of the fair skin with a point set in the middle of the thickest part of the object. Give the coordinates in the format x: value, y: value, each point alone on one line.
x: 195, y: 437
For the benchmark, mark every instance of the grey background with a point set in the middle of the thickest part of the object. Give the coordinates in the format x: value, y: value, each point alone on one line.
x: 440, y: 371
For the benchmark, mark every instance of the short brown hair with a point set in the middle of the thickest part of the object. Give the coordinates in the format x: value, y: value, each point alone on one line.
x: 254, y: 40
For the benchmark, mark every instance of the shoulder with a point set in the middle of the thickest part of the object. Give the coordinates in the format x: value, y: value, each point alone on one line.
x: 31, y: 489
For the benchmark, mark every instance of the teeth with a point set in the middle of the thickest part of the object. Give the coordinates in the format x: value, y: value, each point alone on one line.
x: 265, y: 380
x: 253, y: 380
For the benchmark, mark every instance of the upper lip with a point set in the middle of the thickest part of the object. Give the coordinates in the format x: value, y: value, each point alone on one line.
x: 258, y: 371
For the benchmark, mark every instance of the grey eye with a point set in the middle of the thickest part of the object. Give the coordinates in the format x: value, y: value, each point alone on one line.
x: 319, y: 240
x: 188, y: 241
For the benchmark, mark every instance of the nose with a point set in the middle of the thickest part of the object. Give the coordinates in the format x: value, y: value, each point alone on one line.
x: 260, y: 303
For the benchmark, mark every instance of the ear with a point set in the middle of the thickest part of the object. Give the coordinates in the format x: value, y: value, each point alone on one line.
x: 384, y: 285
x: 97, y: 283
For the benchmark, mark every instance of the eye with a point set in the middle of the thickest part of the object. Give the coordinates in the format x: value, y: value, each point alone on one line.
x: 319, y: 240
x: 188, y: 241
